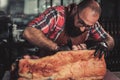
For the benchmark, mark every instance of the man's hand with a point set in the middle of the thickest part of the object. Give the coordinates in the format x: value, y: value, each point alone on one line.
x: 101, y: 49
x: 65, y: 47
x: 79, y: 47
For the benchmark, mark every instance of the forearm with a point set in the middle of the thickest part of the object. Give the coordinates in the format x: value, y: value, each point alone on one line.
x: 108, y: 39
x: 110, y: 42
x: 36, y: 37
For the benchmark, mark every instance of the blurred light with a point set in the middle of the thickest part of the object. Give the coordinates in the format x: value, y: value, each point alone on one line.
x: 3, y: 3
x: 99, y: 1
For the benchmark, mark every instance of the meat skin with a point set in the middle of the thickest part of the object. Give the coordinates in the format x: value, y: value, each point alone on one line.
x: 64, y: 65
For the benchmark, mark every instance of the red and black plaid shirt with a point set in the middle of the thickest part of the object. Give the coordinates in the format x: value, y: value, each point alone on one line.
x: 51, y: 22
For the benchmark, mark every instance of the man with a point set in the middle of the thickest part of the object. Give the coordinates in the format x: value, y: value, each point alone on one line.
x: 70, y: 26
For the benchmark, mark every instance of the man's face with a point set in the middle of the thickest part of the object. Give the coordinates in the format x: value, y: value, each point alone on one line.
x: 87, y: 18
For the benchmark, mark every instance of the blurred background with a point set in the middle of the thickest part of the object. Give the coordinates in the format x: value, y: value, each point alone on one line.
x: 15, y: 15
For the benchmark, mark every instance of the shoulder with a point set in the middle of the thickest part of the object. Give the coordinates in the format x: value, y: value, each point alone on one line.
x: 97, y: 27
x: 59, y: 8
x: 54, y: 10
x: 97, y: 24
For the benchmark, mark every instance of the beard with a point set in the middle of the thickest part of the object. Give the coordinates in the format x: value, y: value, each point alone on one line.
x: 70, y: 29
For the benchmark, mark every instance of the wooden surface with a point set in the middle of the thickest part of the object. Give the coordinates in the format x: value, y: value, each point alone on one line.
x: 112, y: 75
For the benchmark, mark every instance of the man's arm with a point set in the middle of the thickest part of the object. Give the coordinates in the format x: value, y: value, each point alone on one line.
x: 99, y: 34
x: 105, y: 41
x: 37, y: 37
x: 109, y: 41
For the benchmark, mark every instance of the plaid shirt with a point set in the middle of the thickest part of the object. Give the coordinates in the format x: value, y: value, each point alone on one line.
x: 51, y: 23
x: 97, y: 32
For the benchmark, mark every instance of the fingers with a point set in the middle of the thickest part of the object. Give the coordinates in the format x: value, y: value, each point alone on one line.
x: 101, y: 53
x: 26, y: 57
x: 96, y: 52
x: 76, y: 47
x: 79, y: 47
x: 30, y: 57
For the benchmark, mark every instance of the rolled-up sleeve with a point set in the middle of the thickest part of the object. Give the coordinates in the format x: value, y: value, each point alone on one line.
x: 97, y: 32
x: 45, y: 21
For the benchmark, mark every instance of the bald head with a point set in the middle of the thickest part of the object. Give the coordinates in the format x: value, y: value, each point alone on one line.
x: 89, y: 16
x: 92, y: 4
x: 89, y: 11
